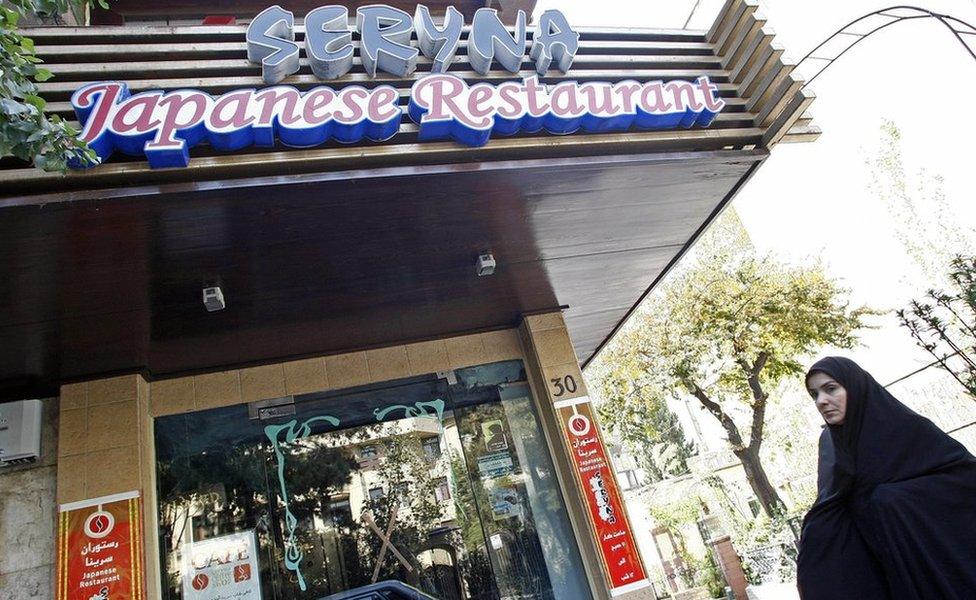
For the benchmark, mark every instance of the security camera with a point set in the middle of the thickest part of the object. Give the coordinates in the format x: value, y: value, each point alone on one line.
x: 486, y: 264
x: 213, y: 299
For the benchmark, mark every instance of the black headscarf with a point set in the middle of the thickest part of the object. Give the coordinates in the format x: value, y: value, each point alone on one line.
x: 887, y: 476
x: 881, y: 439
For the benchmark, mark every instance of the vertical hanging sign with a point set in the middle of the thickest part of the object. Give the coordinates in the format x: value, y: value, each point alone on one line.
x: 100, y: 549
x: 594, y: 472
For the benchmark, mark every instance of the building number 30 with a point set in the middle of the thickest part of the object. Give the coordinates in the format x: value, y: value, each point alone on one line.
x: 563, y: 385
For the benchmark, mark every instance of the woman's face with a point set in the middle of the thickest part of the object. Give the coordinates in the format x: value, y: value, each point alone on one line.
x: 830, y: 397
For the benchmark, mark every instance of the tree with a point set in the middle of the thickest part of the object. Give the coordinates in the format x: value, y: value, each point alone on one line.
x: 404, y: 473
x: 922, y: 219
x: 25, y: 131
x: 728, y: 327
x: 944, y: 323
x: 635, y: 411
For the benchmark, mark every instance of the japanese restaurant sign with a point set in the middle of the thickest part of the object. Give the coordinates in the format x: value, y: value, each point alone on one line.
x: 618, y: 548
x: 164, y: 125
x: 222, y: 568
x: 100, y: 549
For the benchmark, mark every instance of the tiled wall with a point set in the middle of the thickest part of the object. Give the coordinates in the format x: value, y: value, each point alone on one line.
x: 103, y: 437
x: 213, y: 390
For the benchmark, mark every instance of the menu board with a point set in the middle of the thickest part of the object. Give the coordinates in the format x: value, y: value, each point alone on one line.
x: 594, y: 472
x: 222, y: 568
x: 100, y: 549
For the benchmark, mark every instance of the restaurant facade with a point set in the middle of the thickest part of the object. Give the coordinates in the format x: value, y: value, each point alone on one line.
x: 317, y: 319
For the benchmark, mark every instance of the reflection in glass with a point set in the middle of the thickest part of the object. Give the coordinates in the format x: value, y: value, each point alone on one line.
x: 447, y: 488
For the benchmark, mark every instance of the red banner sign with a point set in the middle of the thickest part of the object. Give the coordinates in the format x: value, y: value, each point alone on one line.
x: 100, y: 549
x: 621, y: 560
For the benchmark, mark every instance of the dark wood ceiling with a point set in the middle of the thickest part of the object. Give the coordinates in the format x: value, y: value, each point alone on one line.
x: 328, y: 263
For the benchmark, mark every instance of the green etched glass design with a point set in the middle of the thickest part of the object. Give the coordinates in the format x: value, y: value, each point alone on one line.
x: 292, y: 431
x: 419, y: 409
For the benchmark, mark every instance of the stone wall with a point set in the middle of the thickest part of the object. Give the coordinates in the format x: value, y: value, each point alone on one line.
x: 27, y: 517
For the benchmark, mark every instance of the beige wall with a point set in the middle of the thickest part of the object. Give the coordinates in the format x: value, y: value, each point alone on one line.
x: 106, y: 441
x: 213, y: 390
x: 105, y: 446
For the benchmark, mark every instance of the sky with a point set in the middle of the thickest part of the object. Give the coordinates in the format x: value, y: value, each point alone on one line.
x: 814, y: 201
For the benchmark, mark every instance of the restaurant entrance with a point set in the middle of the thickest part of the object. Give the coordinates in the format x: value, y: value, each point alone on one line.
x: 444, y: 482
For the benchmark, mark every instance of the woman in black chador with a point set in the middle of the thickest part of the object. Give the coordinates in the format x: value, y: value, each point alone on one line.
x: 895, y: 516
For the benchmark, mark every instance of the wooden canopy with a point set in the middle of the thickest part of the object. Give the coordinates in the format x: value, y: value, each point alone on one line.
x: 337, y: 248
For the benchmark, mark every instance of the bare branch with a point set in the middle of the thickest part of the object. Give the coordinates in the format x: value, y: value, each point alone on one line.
x: 735, y: 438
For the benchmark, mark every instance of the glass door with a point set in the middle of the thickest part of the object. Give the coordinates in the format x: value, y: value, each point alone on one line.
x: 445, y: 486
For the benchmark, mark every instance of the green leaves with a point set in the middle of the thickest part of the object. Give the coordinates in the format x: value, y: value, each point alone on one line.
x: 25, y: 131
x: 712, y: 322
x: 726, y: 328
x: 35, y: 101
x: 8, y: 18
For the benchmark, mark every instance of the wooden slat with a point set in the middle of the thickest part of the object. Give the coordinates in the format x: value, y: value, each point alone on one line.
x: 769, y: 63
x: 178, y: 34
x: 790, y: 85
x: 740, y: 45
x: 806, y: 134
x: 765, y: 92
x: 797, y: 104
x: 58, y: 90
x: 212, y: 59
x: 723, y: 16
x: 241, y: 66
x: 805, y: 120
x: 320, y: 159
x: 112, y: 52
x: 724, y: 40
x: 760, y: 43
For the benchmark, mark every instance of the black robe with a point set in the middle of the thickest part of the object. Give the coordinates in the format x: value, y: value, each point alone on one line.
x: 895, y: 515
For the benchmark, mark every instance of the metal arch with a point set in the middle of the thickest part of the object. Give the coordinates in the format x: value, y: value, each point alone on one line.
x: 958, y: 27
x: 694, y: 9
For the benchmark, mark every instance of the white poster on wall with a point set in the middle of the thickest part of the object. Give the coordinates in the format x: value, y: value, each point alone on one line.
x: 222, y: 568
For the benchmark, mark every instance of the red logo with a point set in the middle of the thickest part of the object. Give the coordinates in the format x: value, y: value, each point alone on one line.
x: 99, y: 524
x: 579, y: 425
x: 200, y: 582
x: 242, y: 573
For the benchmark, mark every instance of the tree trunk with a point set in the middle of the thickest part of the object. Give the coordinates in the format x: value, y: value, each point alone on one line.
x: 768, y: 498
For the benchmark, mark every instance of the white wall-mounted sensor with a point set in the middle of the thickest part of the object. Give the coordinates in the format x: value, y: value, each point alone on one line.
x: 486, y: 264
x: 213, y: 299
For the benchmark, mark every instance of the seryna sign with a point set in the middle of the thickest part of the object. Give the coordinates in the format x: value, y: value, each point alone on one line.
x: 385, y: 32
x: 163, y: 126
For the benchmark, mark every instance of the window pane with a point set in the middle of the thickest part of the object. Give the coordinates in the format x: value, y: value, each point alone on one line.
x: 447, y: 488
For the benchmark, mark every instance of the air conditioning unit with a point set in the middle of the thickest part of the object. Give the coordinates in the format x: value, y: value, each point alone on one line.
x: 20, y: 432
